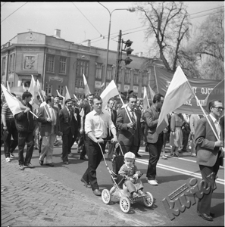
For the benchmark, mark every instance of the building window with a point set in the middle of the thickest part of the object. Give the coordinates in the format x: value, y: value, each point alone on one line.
x: 62, y: 63
x: 82, y: 68
x: 109, y: 73
x: 144, y: 79
x: 136, y: 78
x: 120, y: 75
x: 98, y: 74
x: 3, y: 66
x: 60, y: 89
x: 48, y: 89
x: 127, y: 76
x: 79, y: 83
x: 50, y: 63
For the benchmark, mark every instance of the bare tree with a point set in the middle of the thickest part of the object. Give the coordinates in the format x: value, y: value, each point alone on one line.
x: 169, y: 23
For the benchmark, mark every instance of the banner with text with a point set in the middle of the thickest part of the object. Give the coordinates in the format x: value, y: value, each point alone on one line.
x: 201, y: 89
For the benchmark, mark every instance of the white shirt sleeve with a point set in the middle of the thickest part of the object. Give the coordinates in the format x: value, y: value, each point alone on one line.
x: 88, y: 124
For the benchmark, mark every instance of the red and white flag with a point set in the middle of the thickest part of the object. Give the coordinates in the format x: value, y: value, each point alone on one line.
x: 109, y: 92
x: 145, y: 100
x: 86, y: 88
x: 178, y: 92
x: 67, y: 95
x: 13, y: 103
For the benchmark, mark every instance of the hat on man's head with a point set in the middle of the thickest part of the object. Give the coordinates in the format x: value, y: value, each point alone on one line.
x: 129, y: 155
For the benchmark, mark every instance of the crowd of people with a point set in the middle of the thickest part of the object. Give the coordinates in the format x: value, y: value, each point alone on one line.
x: 93, y: 128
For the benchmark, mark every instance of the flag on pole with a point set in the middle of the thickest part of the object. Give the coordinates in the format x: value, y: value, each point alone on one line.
x: 86, y: 88
x: 151, y: 92
x: 145, y: 100
x: 178, y: 92
x: 75, y: 97
x: 8, y: 87
x: 33, y: 89
x: 109, y: 92
x: 13, y: 103
x: 216, y: 94
x: 67, y: 95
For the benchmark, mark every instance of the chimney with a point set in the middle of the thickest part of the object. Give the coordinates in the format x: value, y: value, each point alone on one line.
x: 89, y: 42
x: 57, y: 33
x: 140, y: 54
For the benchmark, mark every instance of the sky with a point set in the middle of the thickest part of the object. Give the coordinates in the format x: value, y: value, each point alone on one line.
x: 80, y: 21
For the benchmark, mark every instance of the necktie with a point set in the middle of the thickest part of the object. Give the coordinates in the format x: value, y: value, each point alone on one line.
x: 133, y: 119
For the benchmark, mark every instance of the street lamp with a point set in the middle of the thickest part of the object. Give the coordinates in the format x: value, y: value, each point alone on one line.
x: 107, y: 54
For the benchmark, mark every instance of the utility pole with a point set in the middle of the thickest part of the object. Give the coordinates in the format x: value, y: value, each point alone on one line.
x: 118, y: 58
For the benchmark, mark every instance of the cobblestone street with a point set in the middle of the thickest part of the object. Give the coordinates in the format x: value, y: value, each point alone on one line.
x: 29, y: 198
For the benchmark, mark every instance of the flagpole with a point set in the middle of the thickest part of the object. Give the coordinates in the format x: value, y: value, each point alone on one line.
x: 204, y: 112
x: 125, y: 109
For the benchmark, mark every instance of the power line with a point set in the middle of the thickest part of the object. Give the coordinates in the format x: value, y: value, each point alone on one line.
x: 206, y: 10
x: 14, y: 11
x: 204, y: 15
x: 88, y: 20
x: 3, y: 4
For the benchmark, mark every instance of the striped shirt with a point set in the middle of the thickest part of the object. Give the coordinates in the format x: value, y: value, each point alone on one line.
x: 7, y: 112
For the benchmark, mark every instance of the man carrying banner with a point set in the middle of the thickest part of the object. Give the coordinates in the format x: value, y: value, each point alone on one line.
x: 25, y: 126
x: 129, y: 126
x: 154, y: 141
x: 210, y: 153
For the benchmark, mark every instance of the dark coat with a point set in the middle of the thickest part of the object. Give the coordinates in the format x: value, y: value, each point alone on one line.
x: 25, y: 121
x: 204, y: 142
x: 126, y: 135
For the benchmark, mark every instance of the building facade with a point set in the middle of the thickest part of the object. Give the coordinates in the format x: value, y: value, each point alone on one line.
x: 58, y: 63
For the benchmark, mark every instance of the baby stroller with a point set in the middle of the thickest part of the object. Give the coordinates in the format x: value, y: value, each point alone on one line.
x: 119, y: 191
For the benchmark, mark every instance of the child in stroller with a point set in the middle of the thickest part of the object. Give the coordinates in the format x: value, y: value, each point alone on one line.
x: 132, y: 175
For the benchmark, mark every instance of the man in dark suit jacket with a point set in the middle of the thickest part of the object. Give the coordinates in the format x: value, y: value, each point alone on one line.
x: 129, y: 133
x: 154, y: 142
x: 210, y: 153
x: 67, y: 127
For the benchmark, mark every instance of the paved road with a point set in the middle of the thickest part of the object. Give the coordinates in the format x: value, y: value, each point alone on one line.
x: 55, y: 196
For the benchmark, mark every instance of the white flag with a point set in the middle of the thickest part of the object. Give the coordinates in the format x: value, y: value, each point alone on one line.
x: 67, y: 95
x: 109, y: 92
x: 86, y: 88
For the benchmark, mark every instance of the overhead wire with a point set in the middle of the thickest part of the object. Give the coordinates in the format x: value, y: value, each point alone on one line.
x: 14, y: 11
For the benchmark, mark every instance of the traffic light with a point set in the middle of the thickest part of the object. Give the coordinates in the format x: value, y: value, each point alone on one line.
x: 128, y: 50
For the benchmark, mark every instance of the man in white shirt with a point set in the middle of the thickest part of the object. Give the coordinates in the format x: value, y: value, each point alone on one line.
x: 97, y: 123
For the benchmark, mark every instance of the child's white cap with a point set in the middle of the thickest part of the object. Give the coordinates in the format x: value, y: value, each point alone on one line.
x: 129, y: 155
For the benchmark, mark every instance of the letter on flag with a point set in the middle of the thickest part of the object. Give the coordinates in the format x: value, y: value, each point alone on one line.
x: 145, y: 100
x: 13, y: 103
x: 216, y: 94
x: 109, y: 92
x: 86, y: 88
x: 178, y: 92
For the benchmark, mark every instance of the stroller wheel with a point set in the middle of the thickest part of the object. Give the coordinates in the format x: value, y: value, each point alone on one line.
x: 148, y: 199
x: 106, y: 196
x: 125, y: 204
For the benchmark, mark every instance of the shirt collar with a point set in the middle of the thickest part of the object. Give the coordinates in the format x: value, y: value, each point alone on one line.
x: 95, y: 113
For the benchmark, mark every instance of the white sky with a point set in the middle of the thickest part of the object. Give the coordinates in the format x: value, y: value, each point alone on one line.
x: 45, y: 17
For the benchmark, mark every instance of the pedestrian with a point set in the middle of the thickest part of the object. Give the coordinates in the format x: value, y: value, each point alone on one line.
x: 97, y: 123
x: 154, y: 141
x: 176, y: 134
x: 86, y: 108
x: 67, y: 128
x: 48, y: 116
x: 9, y: 130
x: 25, y: 126
x: 193, y: 120
x: 129, y: 126
x: 113, y: 114
x: 186, y: 132
x: 210, y: 153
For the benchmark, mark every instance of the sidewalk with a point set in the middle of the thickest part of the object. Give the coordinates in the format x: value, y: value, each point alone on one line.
x: 30, y: 198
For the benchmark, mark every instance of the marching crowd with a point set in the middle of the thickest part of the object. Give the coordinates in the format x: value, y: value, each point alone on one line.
x: 94, y: 127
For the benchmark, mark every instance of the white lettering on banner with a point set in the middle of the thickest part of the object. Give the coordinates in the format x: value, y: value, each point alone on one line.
x: 194, y: 89
x: 188, y: 102
x: 206, y: 91
x: 202, y: 102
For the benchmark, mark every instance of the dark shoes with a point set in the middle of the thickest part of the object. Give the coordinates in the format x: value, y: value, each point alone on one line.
x: 41, y: 162
x: 206, y: 216
x: 97, y: 192
x: 29, y: 166
x: 86, y: 184
x: 83, y: 158
x: 50, y: 164
x: 66, y: 163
